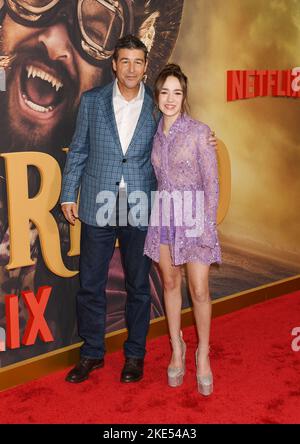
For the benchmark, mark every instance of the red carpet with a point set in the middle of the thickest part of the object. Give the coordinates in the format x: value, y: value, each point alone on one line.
x: 257, y: 379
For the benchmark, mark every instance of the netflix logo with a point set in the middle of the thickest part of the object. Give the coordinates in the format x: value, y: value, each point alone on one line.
x: 253, y: 83
x: 36, y: 324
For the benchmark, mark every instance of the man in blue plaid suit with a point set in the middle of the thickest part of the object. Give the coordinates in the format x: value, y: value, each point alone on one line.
x: 110, y: 153
x: 110, y: 156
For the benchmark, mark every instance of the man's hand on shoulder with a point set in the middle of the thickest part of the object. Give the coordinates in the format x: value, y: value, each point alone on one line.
x: 212, y: 140
x: 70, y: 211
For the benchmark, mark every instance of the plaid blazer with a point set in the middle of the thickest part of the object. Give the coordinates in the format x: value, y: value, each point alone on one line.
x: 95, y: 161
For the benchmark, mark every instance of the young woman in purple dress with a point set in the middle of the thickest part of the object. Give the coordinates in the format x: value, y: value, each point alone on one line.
x: 186, y: 169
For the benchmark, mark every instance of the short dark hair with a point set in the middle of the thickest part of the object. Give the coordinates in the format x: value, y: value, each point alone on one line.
x: 129, y: 42
x: 172, y: 70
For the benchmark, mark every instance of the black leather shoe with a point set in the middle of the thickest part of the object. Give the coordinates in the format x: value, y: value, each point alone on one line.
x: 132, y: 370
x: 82, y: 370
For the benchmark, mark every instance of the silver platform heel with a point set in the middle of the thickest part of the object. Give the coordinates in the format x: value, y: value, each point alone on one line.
x: 204, y: 383
x: 176, y: 374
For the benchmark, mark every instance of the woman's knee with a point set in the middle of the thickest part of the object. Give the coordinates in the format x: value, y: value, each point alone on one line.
x: 200, y: 295
x: 171, y: 283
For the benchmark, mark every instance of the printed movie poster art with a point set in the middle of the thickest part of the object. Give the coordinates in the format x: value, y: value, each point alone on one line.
x: 48, y: 63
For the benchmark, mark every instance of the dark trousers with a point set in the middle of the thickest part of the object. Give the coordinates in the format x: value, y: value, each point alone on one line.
x: 97, y: 247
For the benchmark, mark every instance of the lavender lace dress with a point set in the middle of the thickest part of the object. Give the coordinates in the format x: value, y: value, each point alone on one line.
x: 184, y: 165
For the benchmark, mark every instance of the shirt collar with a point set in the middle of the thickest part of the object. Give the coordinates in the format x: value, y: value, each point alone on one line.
x: 177, y: 126
x: 117, y: 93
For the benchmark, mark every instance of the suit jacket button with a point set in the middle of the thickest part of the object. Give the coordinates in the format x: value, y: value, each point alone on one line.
x: 124, y: 160
x: 118, y: 183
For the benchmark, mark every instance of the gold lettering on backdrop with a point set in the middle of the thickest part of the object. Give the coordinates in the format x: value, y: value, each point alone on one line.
x: 75, y: 231
x: 22, y: 209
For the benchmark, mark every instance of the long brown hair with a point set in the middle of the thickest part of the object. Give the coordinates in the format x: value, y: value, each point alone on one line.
x: 172, y: 70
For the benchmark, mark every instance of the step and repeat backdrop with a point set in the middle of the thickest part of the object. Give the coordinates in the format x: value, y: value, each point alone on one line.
x: 244, y: 83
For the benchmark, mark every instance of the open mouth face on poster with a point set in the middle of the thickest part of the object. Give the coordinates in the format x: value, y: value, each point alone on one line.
x: 52, y: 65
x: 58, y: 49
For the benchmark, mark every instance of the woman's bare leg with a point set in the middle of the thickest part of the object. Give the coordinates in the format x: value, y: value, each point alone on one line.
x: 198, y: 285
x: 171, y: 276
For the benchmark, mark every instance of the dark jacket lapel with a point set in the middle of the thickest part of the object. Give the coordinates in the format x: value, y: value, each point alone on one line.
x: 110, y: 116
x: 111, y: 119
x: 144, y: 115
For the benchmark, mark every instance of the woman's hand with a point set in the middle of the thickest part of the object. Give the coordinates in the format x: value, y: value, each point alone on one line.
x: 212, y: 140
